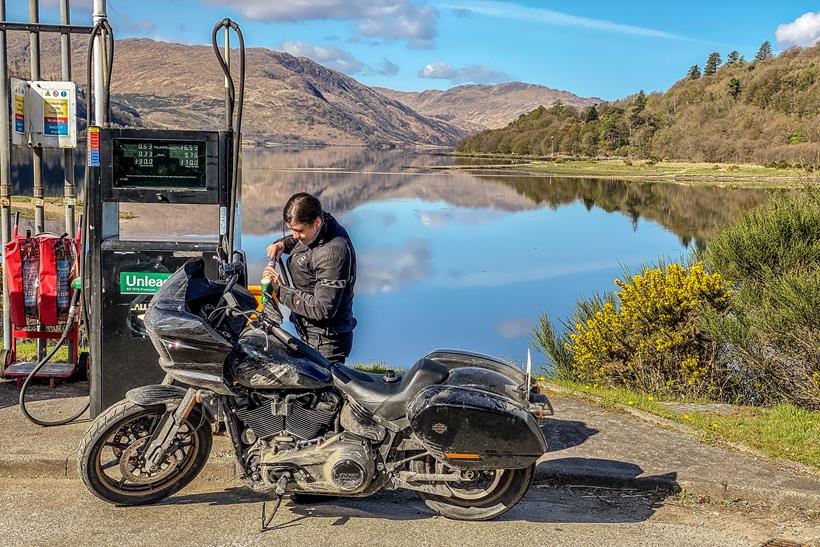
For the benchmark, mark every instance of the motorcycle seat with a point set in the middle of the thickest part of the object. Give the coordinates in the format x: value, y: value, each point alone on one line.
x: 387, y: 400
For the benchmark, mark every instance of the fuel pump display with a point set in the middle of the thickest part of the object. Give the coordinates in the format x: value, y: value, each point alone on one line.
x: 159, y: 164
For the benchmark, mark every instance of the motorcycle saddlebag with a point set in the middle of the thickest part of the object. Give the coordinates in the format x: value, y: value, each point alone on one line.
x: 469, y: 428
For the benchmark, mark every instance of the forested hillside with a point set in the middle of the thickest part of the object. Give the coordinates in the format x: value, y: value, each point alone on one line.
x: 764, y: 111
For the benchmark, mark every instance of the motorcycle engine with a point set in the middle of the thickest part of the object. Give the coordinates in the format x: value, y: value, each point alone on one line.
x: 340, y: 464
x: 299, y: 417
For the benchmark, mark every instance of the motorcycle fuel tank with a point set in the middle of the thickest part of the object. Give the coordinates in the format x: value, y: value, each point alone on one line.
x: 266, y: 363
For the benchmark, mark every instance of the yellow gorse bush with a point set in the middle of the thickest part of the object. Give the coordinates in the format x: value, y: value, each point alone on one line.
x: 648, y: 336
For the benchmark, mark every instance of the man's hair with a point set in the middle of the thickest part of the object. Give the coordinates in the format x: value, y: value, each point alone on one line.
x: 303, y: 208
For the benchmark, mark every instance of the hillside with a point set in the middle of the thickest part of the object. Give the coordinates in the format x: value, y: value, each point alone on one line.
x: 477, y: 107
x: 760, y: 112
x: 288, y: 99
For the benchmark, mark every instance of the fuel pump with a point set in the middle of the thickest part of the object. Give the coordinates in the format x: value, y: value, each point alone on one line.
x: 166, y: 174
x: 189, y: 173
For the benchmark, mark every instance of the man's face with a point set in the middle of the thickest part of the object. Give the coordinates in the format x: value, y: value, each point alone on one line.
x: 303, y: 233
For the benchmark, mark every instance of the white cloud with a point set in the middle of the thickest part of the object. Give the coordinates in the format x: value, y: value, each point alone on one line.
x: 550, y: 17
x: 338, y: 59
x: 409, y: 20
x: 513, y: 328
x: 803, y: 31
x: 385, y: 270
x: 329, y: 56
x: 478, y: 74
x: 387, y: 68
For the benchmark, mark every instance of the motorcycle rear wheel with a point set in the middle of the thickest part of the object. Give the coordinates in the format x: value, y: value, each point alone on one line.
x: 492, y: 495
x: 109, y: 455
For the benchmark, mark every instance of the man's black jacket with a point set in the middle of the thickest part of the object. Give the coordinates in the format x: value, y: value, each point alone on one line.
x: 324, y: 274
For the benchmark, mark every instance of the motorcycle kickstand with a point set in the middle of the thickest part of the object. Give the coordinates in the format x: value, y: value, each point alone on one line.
x: 279, y: 492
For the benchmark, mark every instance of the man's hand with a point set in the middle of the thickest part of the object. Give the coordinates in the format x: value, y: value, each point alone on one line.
x: 275, y: 278
x: 275, y: 250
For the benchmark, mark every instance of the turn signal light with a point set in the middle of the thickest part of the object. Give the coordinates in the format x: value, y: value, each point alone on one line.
x: 460, y: 456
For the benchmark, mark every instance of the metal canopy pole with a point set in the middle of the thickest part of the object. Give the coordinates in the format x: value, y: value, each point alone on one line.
x: 99, y: 73
x: 68, y: 153
x: 37, y: 151
x: 5, y: 172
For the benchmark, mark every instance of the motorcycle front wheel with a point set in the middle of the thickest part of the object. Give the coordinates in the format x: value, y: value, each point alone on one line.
x: 486, y: 496
x: 110, y: 455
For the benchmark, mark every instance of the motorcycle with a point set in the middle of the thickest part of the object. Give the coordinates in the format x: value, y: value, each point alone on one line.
x: 459, y: 429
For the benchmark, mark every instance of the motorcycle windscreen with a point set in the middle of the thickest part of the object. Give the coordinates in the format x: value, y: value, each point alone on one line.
x: 474, y: 429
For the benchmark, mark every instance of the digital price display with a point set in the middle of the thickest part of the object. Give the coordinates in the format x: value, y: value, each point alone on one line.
x: 159, y: 164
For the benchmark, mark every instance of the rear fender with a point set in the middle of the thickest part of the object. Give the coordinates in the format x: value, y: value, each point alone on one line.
x: 516, y: 379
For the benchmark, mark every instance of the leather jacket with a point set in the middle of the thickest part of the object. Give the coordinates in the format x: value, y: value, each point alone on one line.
x: 324, y: 276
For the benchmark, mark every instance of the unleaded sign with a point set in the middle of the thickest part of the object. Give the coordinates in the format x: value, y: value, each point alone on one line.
x: 142, y: 282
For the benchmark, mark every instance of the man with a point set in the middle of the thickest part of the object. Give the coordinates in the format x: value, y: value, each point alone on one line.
x: 322, y: 265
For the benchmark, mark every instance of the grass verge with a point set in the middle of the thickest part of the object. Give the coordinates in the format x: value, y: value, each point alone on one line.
x: 713, y: 173
x: 376, y: 368
x: 27, y: 351
x: 782, y: 431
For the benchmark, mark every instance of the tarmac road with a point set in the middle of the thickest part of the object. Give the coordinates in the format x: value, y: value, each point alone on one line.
x: 62, y: 512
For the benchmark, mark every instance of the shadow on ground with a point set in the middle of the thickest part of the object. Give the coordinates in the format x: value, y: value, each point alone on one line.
x: 560, y: 501
x: 40, y: 391
x: 562, y: 434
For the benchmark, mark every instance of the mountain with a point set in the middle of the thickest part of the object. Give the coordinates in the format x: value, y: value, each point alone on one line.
x: 478, y: 107
x: 763, y: 112
x: 288, y: 99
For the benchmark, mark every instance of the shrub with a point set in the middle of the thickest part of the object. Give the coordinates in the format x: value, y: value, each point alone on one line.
x: 647, y: 336
x: 772, y: 257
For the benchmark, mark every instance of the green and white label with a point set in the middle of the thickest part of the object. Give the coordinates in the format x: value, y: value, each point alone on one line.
x: 142, y: 282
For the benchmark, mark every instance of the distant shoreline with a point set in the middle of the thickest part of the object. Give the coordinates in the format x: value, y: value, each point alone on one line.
x: 713, y: 174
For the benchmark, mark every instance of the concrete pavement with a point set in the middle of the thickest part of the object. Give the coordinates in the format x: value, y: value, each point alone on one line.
x: 61, y: 512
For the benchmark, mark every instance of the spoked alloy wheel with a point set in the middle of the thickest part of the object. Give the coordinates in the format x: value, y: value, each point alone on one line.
x: 111, y: 455
x: 483, y: 495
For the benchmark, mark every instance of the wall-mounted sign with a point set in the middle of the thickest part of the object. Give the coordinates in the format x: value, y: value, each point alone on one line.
x: 45, y: 114
x: 19, y: 132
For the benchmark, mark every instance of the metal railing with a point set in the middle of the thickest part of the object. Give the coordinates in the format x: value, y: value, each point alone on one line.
x: 34, y: 28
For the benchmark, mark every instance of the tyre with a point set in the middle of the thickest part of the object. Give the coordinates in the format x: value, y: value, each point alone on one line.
x: 488, y: 495
x: 110, y: 453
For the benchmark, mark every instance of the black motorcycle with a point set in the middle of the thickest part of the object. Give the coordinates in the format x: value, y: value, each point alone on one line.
x: 459, y: 429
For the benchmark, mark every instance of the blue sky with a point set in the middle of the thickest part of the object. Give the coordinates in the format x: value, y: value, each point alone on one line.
x: 593, y: 48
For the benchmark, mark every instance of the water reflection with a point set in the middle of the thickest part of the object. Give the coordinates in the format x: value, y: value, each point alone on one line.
x: 467, y: 259
x: 470, y: 259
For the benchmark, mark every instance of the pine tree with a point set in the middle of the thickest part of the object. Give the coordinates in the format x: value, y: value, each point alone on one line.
x: 765, y: 51
x: 591, y: 114
x: 712, y: 63
x: 734, y: 88
x: 733, y: 57
x: 694, y: 72
x: 640, y: 102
